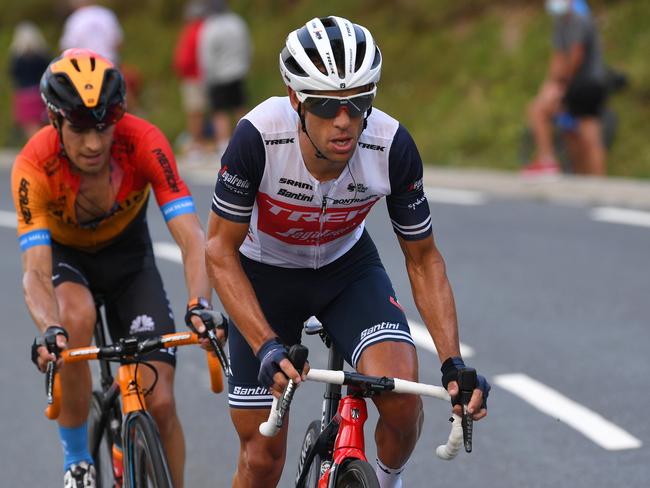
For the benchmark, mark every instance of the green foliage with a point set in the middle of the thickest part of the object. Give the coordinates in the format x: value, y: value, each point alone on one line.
x: 457, y: 73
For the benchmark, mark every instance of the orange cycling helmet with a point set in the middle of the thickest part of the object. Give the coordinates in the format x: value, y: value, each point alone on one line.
x: 85, y: 88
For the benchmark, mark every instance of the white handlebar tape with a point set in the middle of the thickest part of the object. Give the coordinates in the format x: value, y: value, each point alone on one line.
x: 270, y: 427
x: 448, y: 451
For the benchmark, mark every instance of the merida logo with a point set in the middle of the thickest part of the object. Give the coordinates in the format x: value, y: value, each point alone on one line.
x: 23, y: 198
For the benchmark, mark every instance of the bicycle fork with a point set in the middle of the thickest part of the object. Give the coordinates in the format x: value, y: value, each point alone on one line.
x: 350, y: 443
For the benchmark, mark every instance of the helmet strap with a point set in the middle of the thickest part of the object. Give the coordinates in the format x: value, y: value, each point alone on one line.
x: 303, y: 125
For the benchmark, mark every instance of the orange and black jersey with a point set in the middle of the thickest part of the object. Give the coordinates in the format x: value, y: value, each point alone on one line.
x: 45, y: 187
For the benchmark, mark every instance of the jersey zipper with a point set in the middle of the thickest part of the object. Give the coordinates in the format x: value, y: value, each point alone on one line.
x: 321, y: 222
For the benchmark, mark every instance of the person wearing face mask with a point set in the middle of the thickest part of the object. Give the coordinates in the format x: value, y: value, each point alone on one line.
x: 575, y: 85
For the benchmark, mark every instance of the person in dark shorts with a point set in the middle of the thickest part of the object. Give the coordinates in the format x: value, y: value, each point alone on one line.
x: 81, y: 187
x: 224, y: 57
x: 287, y: 240
x: 576, y: 87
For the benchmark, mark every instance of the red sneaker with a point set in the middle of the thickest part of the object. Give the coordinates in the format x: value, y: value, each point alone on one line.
x: 541, y: 168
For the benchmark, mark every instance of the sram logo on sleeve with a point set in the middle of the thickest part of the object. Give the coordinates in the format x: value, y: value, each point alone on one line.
x: 307, y: 226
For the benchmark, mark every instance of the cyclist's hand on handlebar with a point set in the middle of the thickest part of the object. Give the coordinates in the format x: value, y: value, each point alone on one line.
x: 199, y: 324
x: 477, y: 404
x: 48, y: 346
x: 276, y: 368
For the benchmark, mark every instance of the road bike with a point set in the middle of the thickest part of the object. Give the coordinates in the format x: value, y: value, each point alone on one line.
x: 333, y: 449
x: 122, y: 436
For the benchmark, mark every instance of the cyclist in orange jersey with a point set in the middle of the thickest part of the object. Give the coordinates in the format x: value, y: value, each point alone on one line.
x: 80, y: 188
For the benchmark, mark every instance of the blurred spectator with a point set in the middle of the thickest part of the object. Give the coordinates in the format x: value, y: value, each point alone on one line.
x: 186, y: 65
x: 224, y: 60
x: 29, y: 56
x: 92, y: 27
x: 97, y: 28
x: 574, y: 86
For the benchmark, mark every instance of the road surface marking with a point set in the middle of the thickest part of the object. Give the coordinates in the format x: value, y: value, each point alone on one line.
x: 168, y: 251
x: 589, y: 423
x: 423, y: 339
x: 456, y: 197
x: 621, y: 216
x: 171, y: 252
x: 8, y: 219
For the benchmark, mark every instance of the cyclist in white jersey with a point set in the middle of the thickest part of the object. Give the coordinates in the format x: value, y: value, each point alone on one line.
x: 287, y: 241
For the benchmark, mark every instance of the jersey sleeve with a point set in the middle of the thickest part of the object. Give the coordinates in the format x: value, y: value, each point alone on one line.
x: 30, y: 192
x: 407, y: 205
x: 172, y: 194
x: 568, y: 32
x: 242, y: 168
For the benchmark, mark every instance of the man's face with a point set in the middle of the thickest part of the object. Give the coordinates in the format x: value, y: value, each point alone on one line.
x: 335, y: 137
x: 88, y: 148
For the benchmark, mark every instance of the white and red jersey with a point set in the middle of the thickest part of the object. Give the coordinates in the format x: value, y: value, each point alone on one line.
x: 297, y: 221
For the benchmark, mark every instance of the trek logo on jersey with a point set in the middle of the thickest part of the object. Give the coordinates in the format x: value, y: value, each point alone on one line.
x: 416, y: 185
x: 275, y: 142
x: 307, y: 226
x: 168, y: 171
x: 372, y: 147
x: 23, y: 199
x: 233, y: 182
x: 142, y: 323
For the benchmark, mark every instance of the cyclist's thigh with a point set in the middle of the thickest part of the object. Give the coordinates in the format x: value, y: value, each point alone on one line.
x: 75, y: 300
x: 364, y: 314
x: 163, y: 393
x: 141, y: 309
x: 284, y: 308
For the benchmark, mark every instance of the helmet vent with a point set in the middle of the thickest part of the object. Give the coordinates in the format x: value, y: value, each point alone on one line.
x: 328, y: 22
x: 361, y: 47
x: 75, y: 64
x: 377, y: 61
x: 92, y: 63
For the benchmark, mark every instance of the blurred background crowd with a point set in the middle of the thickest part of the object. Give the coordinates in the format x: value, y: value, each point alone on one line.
x: 537, y: 86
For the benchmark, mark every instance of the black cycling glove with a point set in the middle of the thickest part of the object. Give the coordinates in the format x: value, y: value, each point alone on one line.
x: 450, y: 369
x: 47, y: 339
x: 269, y: 356
x: 199, y: 303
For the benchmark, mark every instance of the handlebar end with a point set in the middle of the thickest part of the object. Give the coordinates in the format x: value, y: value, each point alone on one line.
x: 268, y: 429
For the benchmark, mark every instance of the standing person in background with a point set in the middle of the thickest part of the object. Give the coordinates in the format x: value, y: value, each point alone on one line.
x: 224, y: 59
x: 29, y: 56
x: 575, y: 83
x: 186, y: 66
x: 92, y: 27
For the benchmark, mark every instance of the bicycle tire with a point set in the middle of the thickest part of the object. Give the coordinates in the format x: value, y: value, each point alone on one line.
x: 312, y: 433
x: 356, y: 474
x: 145, y: 462
x: 100, y: 441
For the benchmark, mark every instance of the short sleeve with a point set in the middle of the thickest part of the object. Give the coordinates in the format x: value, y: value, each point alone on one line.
x: 407, y: 205
x: 242, y: 168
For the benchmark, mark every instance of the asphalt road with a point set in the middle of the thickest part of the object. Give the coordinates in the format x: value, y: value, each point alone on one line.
x: 553, y: 303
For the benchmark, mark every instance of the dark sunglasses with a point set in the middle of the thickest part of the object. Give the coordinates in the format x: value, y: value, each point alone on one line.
x: 97, y: 118
x: 327, y: 107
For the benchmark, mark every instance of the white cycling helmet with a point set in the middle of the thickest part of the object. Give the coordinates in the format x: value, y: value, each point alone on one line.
x: 330, y: 53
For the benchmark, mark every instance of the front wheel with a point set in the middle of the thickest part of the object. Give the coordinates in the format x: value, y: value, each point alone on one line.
x: 145, y: 463
x: 104, y: 422
x: 356, y: 474
x: 313, y: 473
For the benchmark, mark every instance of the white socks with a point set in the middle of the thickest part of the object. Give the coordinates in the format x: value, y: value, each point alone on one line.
x: 388, y: 477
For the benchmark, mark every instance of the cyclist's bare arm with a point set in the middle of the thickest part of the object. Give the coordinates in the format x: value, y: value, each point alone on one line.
x: 187, y: 232
x: 435, y: 302
x: 39, y: 294
x: 235, y: 290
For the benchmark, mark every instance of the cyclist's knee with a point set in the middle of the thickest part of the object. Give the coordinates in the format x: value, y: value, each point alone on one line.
x: 163, y: 410
x: 399, y: 411
x: 261, y: 462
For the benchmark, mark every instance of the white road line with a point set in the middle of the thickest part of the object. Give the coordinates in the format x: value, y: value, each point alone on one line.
x: 423, y: 339
x: 456, y: 197
x: 621, y: 216
x: 589, y: 423
x: 8, y: 219
x: 171, y: 252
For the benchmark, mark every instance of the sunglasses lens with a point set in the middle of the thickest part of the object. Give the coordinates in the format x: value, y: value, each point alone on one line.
x: 328, y: 108
x: 86, y: 118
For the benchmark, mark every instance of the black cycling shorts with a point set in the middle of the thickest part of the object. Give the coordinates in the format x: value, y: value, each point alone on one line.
x: 227, y: 96
x: 585, y: 98
x: 125, y: 276
x: 352, y: 297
